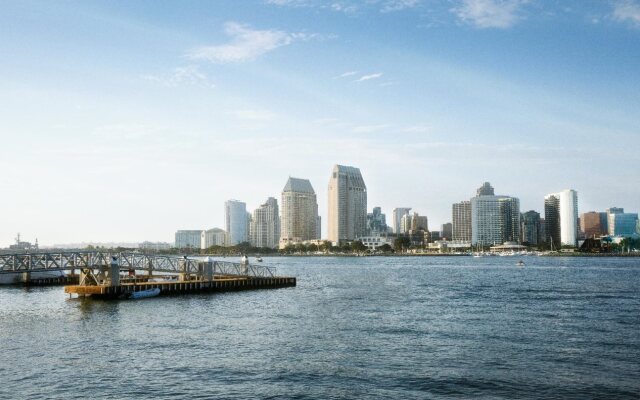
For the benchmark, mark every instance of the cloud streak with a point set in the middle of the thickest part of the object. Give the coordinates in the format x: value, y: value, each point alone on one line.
x: 483, y: 14
x: 246, y: 44
x: 627, y: 11
x: 369, y: 77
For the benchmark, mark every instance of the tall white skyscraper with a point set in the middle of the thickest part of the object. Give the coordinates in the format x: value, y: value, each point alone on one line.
x: 561, y: 218
x: 235, y: 221
x: 265, y: 225
x: 347, y: 204
x: 396, y: 217
x: 299, y: 221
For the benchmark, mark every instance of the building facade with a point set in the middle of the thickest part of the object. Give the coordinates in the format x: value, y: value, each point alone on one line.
x: 376, y: 222
x: 485, y: 190
x: 265, y: 225
x: 236, y: 222
x: 494, y: 220
x: 623, y: 224
x: 347, y: 204
x: 461, y: 221
x: 561, y: 218
x: 446, y: 231
x: 531, y: 228
x: 397, y: 215
x: 591, y: 225
x: 213, y: 237
x: 299, y: 220
x: 188, y: 239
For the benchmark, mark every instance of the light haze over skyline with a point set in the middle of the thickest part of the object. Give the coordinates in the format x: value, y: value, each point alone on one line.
x: 126, y: 121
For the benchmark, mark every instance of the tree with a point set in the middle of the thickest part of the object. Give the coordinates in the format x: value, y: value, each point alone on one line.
x: 358, y: 246
x: 385, y: 248
x: 401, y: 243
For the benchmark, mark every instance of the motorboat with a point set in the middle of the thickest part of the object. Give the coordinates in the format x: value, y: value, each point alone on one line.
x: 143, y: 294
x: 259, y: 259
x: 520, y: 263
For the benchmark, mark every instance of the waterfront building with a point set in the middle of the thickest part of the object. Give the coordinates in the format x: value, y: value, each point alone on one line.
x: 462, y: 221
x: 609, y: 212
x: 372, y: 242
x: 530, y: 228
x: 396, y: 218
x: 347, y: 204
x: 485, y: 190
x: 494, y: 219
x: 376, y: 222
x: 265, y: 225
x: 446, y: 231
x: 236, y: 222
x: 623, y: 224
x: 154, y: 246
x: 188, y: 239
x: 318, y: 227
x: 591, y: 224
x: 22, y: 245
x: 299, y: 221
x: 212, y: 237
x: 561, y: 218
x: 604, y: 222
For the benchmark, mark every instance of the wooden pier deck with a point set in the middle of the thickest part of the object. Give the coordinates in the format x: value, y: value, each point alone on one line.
x: 219, y: 284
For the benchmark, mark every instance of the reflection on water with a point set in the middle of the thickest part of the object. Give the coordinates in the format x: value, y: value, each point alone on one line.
x: 352, y: 328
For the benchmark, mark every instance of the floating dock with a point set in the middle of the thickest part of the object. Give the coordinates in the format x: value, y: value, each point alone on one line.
x: 218, y: 284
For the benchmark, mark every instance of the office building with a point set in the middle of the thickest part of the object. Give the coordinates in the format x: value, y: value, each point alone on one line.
x: 376, y: 222
x: 494, y: 219
x: 397, y: 215
x: 188, y: 239
x: 561, y: 218
x: 347, y: 204
x: 446, y: 231
x: 212, y: 237
x: 265, y: 225
x: 461, y: 218
x: 623, y: 224
x: 299, y: 221
x: 530, y: 228
x: 485, y: 190
x: 591, y: 225
x: 236, y: 222
x: 609, y: 212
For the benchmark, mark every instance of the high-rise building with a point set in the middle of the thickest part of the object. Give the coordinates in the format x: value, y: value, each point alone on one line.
x: 604, y: 222
x: 531, y: 228
x: 236, y: 222
x: 609, y: 212
x: 462, y: 221
x: 265, y: 225
x: 561, y: 218
x: 494, y: 219
x: 347, y: 204
x: 299, y: 220
x: 591, y: 224
x: 212, y: 237
x: 398, y: 213
x: 623, y: 224
x: 485, y: 190
x: 376, y: 222
x: 446, y: 231
x: 185, y: 239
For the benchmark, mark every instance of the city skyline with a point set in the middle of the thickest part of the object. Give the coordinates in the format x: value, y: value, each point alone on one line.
x: 113, y: 114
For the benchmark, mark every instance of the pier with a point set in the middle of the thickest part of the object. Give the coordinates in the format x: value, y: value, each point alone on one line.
x: 118, y: 274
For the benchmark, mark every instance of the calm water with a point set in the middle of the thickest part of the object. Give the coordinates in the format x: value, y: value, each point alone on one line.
x: 352, y: 328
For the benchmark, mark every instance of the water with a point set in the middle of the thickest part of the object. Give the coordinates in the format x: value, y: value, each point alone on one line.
x: 374, y: 328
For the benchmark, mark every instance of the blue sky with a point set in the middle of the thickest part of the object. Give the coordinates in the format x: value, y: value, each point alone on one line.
x: 124, y: 121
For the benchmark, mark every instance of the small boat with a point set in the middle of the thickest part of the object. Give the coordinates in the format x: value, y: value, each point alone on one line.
x: 259, y: 259
x: 520, y: 263
x: 142, y: 294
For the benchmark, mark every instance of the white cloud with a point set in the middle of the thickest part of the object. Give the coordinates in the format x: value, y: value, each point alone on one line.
x: 369, y: 77
x: 246, y: 44
x: 398, y: 5
x: 255, y: 115
x: 489, y: 13
x: 189, y: 75
x: 346, y: 74
x: 370, y: 128
x: 627, y: 11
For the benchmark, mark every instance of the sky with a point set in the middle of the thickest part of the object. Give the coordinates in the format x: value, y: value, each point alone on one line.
x: 126, y: 121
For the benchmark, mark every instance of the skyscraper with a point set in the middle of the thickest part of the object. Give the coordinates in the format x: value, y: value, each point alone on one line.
x: 376, y: 222
x: 462, y: 221
x: 299, y: 211
x: 397, y: 215
x: 623, y: 224
x: 347, y: 204
x: 494, y: 219
x: 485, y: 190
x: 609, y: 212
x: 561, y: 218
x: 591, y: 224
x: 265, y: 225
x: 236, y: 221
x: 531, y: 228
x: 188, y: 239
x: 446, y: 231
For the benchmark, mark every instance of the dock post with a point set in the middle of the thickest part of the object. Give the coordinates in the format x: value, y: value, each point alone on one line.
x: 113, y: 273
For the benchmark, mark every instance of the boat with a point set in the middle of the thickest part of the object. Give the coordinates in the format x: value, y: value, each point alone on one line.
x: 259, y: 259
x: 520, y: 263
x: 143, y: 294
